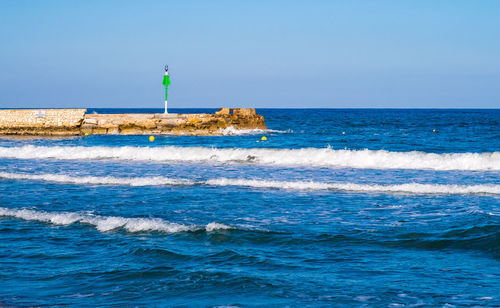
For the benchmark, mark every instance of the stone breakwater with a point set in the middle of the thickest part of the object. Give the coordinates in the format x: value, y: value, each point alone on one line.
x: 74, y: 122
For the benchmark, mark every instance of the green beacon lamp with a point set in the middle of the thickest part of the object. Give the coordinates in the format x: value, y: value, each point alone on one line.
x: 166, y: 83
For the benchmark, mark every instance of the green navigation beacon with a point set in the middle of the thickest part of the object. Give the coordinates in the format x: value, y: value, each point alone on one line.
x: 166, y: 83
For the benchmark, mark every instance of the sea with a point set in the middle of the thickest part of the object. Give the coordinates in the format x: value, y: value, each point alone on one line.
x: 335, y: 207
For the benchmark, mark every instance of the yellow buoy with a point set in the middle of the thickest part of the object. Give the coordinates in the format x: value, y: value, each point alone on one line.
x: 434, y: 130
x: 151, y: 138
x: 264, y: 138
x: 86, y: 134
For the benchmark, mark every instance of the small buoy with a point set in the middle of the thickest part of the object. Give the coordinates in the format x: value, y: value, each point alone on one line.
x: 257, y: 141
x: 264, y: 138
x: 86, y: 134
x: 151, y: 138
x: 434, y: 130
x: 343, y: 133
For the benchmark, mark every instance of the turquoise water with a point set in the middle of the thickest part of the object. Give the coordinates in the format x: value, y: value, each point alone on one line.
x: 337, y: 207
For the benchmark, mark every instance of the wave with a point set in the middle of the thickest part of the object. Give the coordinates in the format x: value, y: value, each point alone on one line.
x: 255, y: 131
x: 485, y: 237
x: 481, y: 237
x: 108, y: 223
x: 325, y: 157
x: 97, y: 180
x: 413, y: 188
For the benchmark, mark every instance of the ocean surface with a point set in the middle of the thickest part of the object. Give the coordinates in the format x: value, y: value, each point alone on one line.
x: 337, y: 207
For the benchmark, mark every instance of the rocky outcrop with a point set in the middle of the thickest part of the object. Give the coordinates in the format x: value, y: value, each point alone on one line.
x: 76, y: 122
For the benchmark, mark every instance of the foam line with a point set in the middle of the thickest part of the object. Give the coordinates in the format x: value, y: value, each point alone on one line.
x: 255, y: 131
x: 96, y: 180
x: 325, y: 157
x: 412, y: 188
x: 107, y: 223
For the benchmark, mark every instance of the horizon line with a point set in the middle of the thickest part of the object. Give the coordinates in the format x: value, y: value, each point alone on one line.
x: 297, y: 108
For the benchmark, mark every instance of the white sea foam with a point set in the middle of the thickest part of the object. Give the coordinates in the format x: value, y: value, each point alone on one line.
x: 255, y: 131
x: 214, y: 226
x: 108, y: 223
x: 325, y: 157
x: 95, y: 180
x: 412, y: 188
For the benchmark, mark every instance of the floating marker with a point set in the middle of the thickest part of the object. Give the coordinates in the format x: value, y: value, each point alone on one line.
x: 343, y: 133
x: 434, y: 130
x: 151, y: 138
x: 264, y: 138
x: 86, y: 134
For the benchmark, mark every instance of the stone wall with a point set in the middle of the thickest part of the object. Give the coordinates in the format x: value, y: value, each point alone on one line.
x: 41, y: 121
x: 67, y: 122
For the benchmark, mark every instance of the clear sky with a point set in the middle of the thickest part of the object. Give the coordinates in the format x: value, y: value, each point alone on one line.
x: 329, y: 54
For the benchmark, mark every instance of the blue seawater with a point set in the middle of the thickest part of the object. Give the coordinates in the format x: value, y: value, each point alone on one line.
x: 337, y: 208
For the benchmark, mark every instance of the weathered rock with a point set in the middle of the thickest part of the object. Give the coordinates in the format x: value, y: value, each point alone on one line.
x: 244, y: 112
x: 89, y: 121
x: 65, y: 122
x: 223, y: 111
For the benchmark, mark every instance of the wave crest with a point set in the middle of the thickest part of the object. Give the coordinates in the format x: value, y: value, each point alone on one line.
x: 108, y: 223
x: 325, y: 157
x: 413, y: 188
x: 229, y: 131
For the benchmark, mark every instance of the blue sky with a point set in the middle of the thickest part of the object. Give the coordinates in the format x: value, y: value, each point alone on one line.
x: 328, y: 54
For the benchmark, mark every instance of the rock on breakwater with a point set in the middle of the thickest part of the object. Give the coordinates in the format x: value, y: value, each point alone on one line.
x: 69, y: 122
x: 53, y: 122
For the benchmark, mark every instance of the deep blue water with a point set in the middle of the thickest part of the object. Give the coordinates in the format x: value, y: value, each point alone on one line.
x: 337, y: 208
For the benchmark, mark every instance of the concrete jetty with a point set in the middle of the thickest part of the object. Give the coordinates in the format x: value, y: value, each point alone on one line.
x: 74, y: 122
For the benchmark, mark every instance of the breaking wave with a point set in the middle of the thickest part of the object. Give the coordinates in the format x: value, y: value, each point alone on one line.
x: 98, y: 180
x: 325, y: 157
x: 255, y: 131
x: 412, y: 188
x: 108, y: 223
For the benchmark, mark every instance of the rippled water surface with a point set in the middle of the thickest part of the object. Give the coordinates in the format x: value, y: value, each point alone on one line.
x: 337, y: 207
